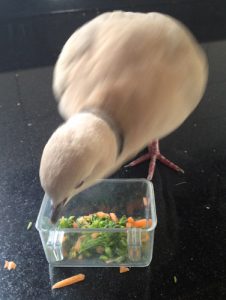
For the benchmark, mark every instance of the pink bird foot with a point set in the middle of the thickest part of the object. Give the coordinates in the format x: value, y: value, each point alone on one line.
x: 154, y: 154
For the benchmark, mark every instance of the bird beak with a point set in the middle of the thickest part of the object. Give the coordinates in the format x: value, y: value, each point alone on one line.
x: 56, y: 211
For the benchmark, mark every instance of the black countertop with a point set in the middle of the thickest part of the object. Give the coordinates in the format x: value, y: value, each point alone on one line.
x: 190, y: 238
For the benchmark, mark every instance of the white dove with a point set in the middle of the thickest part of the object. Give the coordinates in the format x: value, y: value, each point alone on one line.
x: 123, y: 81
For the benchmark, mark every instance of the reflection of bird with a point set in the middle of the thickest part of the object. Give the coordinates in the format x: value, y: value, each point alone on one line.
x: 122, y: 81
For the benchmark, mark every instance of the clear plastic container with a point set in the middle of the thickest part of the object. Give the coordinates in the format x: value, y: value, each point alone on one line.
x: 133, y: 247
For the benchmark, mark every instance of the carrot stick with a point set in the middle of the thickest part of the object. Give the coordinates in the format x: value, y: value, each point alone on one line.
x: 123, y: 269
x: 68, y: 281
x: 142, y: 223
x: 130, y: 220
x: 113, y: 217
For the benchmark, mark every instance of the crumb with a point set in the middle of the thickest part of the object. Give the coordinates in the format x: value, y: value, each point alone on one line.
x: 179, y: 183
x: 123, y: 269
x: 9, y: 265
x: 29, y: 225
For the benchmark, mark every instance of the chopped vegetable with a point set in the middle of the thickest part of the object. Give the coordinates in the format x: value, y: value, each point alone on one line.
x: 142, y: 223
x: 175, y: 279
x: 78, y: 245
x: 29, y: 225
x: 67, y: 222
x: 106, y: 246
x: 113, y: 217
x: 101, y: 214
x: 9, y: 265
x: 123, y: 269
x: 69, y: 281
x: 138, y: 223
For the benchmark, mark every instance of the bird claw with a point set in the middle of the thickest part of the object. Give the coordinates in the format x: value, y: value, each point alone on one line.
x: 154, y: 154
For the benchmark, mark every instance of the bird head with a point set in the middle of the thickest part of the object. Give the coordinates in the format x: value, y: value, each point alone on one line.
x: 78, y: 153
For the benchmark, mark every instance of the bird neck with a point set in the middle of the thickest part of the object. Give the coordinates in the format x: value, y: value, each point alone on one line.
x: 110, y: 122
x: 92, y: 135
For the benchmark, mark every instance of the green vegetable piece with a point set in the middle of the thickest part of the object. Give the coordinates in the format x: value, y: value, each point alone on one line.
x: 108, y: 251
x: 66, y: 222
x: 122, y: 221
x: 103, y: 257
x: 29, y: 225
x: 102, y: 223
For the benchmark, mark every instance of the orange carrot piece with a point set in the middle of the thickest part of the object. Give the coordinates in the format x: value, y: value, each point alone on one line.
x: 75, y: 225
x: 113, y: 217
x: 69, y: 281
x: 145, y: 201
x: 123, y: 269
x: 77, y: 244
x: 129, y: 225
x: 142, y: 223
x: 9, y: 265
x: 101, y: 214
x: 130, y: 220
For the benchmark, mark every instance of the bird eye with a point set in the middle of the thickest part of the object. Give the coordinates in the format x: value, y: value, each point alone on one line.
x: 79, y: 185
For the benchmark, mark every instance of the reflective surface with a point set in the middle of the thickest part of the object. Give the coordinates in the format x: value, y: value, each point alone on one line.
x: 190, y: 241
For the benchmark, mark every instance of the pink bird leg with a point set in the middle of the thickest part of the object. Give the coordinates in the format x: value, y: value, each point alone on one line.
x: 154, y: 154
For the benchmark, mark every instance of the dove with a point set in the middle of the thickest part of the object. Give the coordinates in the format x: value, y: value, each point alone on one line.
x: 122, y: 81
